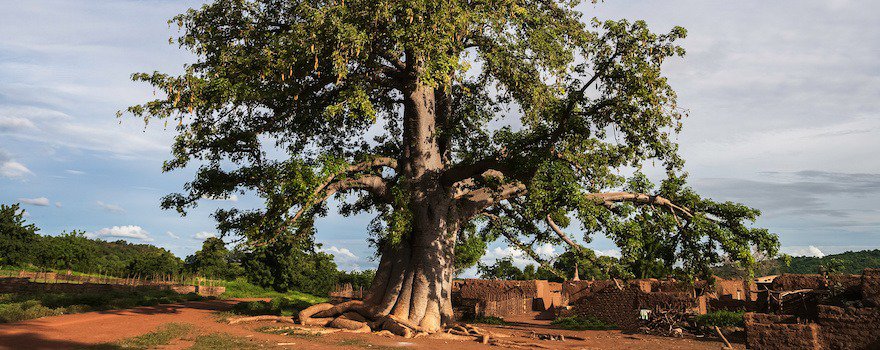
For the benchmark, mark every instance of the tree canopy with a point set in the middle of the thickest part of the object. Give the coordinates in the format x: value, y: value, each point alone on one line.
x: 519, y: 117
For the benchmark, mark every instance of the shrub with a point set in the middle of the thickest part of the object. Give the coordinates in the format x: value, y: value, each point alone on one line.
x: 581, y: 323
x: 277, y: 306
x: 721, y: 318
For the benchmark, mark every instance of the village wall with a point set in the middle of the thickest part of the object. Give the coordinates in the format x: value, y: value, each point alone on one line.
x: 24, y: 285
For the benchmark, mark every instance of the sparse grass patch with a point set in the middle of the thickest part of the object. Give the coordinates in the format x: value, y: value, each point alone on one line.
x: 162, y: 336
x: 581, y: 323
x: 489, y: 320
x: 289, y: 331
x: 220, y: 341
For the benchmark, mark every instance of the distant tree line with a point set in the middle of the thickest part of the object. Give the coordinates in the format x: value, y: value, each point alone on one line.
x: 843, y: 263
x: 285, y: 265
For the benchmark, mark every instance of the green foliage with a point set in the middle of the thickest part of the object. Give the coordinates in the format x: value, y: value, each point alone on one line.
x: 276, y: 306
x: 357, y: 279
x: 721, y: 318
x: 581, y: 323
x: 17, y: 238
x: 846, y: 263
x: 241, y: 288
x: 284, y: 96
x: 503, y: 269
x: 22, y: 247
x: 214, y: 261
x: 291, y: 264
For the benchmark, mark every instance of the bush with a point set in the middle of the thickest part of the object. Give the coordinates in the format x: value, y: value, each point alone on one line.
x: 721, y: 318
x: 277, y: 306
x: 581, y: 323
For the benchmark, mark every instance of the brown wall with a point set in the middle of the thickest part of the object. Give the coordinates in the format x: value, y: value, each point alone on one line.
x: 849, y: 328
x: 773, y: 332
x: 23, y: 285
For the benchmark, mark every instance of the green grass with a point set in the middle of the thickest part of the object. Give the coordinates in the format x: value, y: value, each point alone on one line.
x: 278, y: 306
x: 721, y: 318
x: 489, y: 320
x: 290, y: 331
x: 24, y: 306
x: 581, y: 323
x: 241, y: 288
x: 219, y: 341
x: 162, y: 336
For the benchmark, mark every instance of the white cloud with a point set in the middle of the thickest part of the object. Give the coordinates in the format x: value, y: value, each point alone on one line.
x: 810, y: 251
x: 9, y: 168
x: 172, y: 235
x: 75, y: 172
x: 57, y: 204
x: 128, y: 231
x: 342, y: 253
x: 15, y: 123
x: 345, y: 259
x: 204, y: 235
x: 111, y: 207
x: 40, y: 202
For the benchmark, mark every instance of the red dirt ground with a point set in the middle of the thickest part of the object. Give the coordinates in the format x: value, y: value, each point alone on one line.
x: 82, y: 330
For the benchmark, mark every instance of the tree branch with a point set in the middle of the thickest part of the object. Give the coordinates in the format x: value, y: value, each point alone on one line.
x: 475, y: 201
x: 526, y: 248
x: 639, y: 198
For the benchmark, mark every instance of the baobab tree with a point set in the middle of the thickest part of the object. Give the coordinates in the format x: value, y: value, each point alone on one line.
x: 440, y: 117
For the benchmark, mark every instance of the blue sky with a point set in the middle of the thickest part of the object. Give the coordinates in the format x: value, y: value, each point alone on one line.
x: 783, y: 102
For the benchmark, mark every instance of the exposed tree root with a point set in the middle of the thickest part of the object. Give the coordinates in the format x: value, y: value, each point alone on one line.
x: 283, y: 319
x: 352, y: 316
x: 343, y: 323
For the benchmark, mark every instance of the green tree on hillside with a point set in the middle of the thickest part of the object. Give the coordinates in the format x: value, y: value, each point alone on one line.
x: 291, y: 264
x: 213, y: 260
x: 434, y: 115
x: 17, y: 238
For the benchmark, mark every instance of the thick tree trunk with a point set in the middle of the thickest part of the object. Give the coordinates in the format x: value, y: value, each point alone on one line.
x: 414, y: 279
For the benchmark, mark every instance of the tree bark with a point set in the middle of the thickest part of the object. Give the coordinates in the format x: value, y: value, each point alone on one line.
x: 414, y: 279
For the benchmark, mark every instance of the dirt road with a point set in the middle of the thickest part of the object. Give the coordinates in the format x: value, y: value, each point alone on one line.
x: 83, y: 330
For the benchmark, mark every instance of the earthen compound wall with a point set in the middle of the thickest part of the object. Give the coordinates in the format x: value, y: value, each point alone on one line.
x: 24, y: 285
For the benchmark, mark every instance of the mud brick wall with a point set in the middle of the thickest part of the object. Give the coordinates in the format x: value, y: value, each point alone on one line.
x: 572, y: 291
x: 672, y: 301
x: 871, y: 286
x: 24, y: 285
x: 773, y: 332
x: 472, y: 297
x: 612, y: 306
x: 790, y: 282
x: 507, y: 307
x: 849, y: 328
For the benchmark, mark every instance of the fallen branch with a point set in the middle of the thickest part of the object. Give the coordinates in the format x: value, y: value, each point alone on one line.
x: 283, y: 319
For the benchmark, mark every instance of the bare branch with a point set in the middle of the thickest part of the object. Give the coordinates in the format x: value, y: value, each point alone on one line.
x: 475, y: 201
x: 639, y: 198
x: 526, y: 248
x: 373, y: 183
